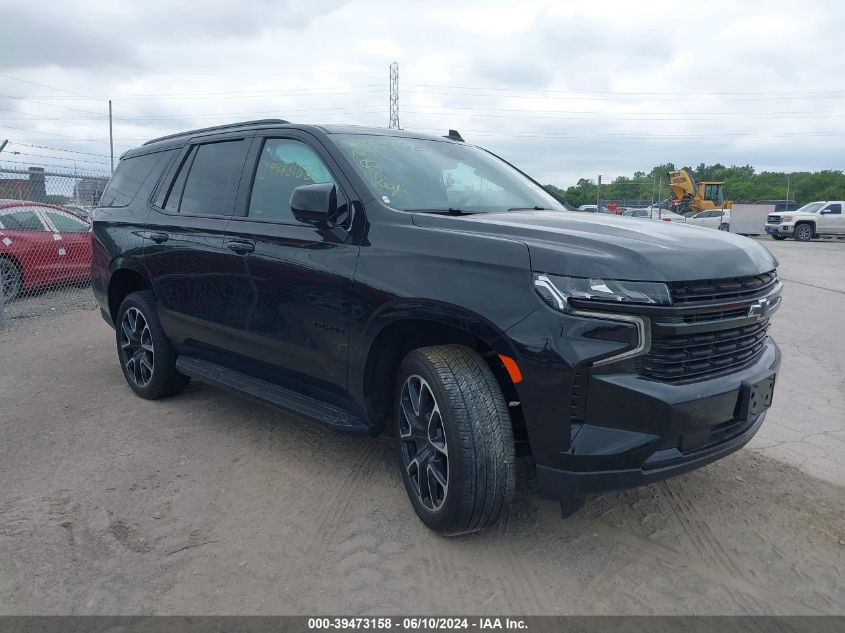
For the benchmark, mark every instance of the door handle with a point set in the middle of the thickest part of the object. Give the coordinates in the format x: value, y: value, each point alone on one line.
x: 241, y: 247
x: 159, y: 238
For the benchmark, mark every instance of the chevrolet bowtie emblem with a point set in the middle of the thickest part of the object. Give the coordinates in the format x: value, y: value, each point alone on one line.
x: 759, y: 308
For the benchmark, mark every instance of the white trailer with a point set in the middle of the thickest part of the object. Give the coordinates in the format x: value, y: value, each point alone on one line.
x: 750, y: 219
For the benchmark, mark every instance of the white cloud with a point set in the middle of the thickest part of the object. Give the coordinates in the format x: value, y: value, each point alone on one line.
x: 564, y: 90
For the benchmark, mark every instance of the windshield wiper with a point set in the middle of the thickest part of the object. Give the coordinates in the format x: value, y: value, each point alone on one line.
x: 534, y: 208
x: 448, y: 211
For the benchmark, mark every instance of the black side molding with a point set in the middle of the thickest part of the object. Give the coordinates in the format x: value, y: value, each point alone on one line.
x: 271, y: 395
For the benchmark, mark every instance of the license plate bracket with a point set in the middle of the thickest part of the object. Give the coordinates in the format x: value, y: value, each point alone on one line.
x: 755, y: 397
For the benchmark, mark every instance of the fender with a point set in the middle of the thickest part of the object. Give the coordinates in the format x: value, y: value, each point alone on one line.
x: 417, y: 310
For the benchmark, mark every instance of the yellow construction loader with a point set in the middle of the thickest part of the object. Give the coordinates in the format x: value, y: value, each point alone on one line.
x: 690, y: 196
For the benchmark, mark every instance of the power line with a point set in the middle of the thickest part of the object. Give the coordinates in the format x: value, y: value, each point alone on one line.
x: 618, y: 92
x: 59, y: 149
x: 572, y: 97
x: 57, y: 167
x: 73, y: 160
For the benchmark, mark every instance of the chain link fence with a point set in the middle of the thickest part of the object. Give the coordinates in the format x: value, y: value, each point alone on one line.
x: 45, y: 240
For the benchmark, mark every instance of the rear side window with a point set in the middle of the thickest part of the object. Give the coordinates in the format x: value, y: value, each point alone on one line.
x: 21, y: 221
x: 212, y: 179
x: 127, y: 180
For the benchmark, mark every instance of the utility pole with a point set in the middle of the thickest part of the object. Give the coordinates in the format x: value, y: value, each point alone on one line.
x: 787, y: 187
x: 653, y: 187
x: 111, y: 141
x: 598, y: 196
x: 394, y: 96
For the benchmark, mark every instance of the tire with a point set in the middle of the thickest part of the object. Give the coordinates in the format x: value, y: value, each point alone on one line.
x: 778, y: 237
x: 803, y: 232
x: 12, y: 279
x: 146, y: 357
x: 724, y: 226
x: 466, y: 443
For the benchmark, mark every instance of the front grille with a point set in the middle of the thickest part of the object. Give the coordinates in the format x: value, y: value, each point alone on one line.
x: 773, y: 219
x: 704, y: 355
x: 684, y: 292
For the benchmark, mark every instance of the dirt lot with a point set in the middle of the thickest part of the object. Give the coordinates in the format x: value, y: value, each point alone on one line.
x: 208, y: 504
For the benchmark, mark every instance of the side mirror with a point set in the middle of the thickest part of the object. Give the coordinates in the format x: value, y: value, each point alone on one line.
x: 314, y: 204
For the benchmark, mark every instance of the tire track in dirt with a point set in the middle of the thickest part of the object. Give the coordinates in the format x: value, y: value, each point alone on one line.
x: 329, y: 519
x: 708, y: 546
x: 681, y: 560
x: 524, y: 594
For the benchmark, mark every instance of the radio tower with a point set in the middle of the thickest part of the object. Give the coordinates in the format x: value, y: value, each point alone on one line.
x: 394, y: 96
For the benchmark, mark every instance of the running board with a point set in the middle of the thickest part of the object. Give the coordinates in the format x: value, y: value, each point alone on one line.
x: 271, y: 395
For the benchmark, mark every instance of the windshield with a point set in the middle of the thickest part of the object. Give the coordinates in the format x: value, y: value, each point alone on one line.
x: 810, y: 207
x: 428, y: 175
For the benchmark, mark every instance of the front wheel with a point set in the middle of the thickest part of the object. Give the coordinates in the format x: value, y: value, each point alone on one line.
x: 454, y: 439
x: 11, y: 280
x: 803, y: 233
x: 146, y: 357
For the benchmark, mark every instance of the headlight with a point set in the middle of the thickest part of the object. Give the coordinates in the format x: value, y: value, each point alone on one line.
x: 557, y: 290
x: 786, y: 218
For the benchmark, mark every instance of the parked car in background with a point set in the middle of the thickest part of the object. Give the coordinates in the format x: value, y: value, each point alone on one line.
x: 637, y: 213
x: 781, y: 205
x: 82, y: 212
x: 714, y: 219
x: 812, y: 220
x: 656, y: 213
x: 41, y: 244
x: 591, y: 208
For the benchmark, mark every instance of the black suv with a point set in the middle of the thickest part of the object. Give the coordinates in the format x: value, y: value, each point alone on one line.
x: 382, y: 281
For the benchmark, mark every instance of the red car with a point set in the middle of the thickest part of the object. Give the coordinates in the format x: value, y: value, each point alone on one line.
x: 41, y: 244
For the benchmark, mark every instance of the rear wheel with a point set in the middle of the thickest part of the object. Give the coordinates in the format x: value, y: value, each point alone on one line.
x: 454, y: 439
x: 11, y: 279
x: 146, y: 357
x: 724, y: 226
x: 803, y: 232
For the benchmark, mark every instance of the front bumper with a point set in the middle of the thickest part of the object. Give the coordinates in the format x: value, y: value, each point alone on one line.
x: 623, y: 430
x: 780, y: 229
x: 559, y: 484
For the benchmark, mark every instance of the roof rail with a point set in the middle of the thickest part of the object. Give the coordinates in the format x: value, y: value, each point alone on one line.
x: 215, y: 128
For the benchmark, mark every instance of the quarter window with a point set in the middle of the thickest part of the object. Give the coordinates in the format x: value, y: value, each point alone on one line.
x: 284, y: 165
x: 128, y: 178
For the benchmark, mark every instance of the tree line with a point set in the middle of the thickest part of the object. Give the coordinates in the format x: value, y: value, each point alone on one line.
x: 742, y: 184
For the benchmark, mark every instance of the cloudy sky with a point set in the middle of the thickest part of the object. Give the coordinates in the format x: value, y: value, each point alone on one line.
x: 563, y: 89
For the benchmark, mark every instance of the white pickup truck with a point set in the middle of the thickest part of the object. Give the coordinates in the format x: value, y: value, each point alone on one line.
x: 812, y: 220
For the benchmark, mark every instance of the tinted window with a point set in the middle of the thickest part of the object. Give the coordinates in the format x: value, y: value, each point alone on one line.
x: 128, y: 178
x: 66, y: 224
x: 21, y: 221
x: 212, y: 182
x: 834, y: 208
x: 175, y: 194
x: 283, y: 166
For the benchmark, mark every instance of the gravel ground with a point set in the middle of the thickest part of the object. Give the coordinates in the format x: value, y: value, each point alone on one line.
x: 207, y: 504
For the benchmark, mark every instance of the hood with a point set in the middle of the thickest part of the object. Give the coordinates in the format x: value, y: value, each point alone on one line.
x: 616, y: 247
